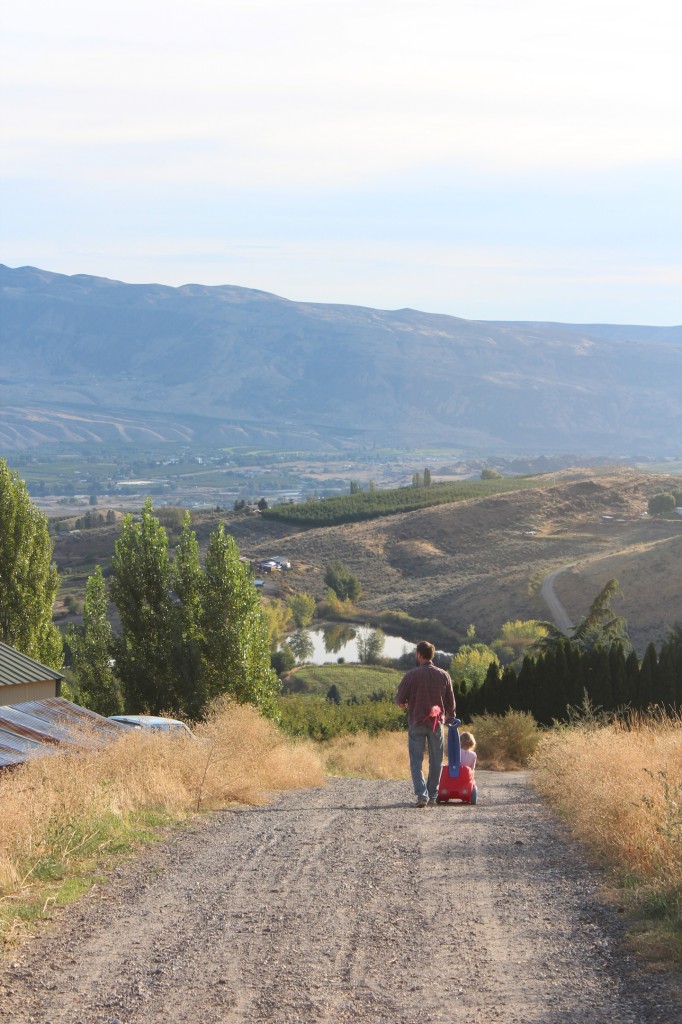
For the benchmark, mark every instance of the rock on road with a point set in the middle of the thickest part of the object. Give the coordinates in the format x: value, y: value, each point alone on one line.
x: 344, y: 904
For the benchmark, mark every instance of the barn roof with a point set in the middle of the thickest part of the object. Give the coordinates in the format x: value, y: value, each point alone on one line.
x: 38, y: 727
x: 17, y: 668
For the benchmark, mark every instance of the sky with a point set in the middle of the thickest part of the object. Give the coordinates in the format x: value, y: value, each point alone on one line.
x: 493, y: 160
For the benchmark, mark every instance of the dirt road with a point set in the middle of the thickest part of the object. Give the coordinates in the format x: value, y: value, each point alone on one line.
x: 556, y: 609
x: 345, y: 904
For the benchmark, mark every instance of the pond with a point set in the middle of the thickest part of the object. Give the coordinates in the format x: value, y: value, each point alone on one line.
x: 332, y: 641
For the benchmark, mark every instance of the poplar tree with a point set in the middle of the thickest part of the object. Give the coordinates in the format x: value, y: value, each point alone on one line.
x: 188, y: 666
x: 91, y: 650
x: 141, y: 591
x: 28, y: 577
x: 235, y: 634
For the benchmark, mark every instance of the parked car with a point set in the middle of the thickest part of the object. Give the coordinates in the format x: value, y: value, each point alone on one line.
x: 154, y: 723
x: 283, y: 563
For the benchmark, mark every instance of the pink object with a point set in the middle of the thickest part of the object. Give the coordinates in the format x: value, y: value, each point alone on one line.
x: 435, y: 714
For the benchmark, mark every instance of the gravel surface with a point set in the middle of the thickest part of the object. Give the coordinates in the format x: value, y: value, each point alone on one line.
x: 343, y: 904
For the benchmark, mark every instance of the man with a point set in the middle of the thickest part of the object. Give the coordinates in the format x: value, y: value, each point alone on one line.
x: 426, y: 692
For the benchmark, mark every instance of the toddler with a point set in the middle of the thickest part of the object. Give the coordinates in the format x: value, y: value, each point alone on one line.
x: 467, y: 745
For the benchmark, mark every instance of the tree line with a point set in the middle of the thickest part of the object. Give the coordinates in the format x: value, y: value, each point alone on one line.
x: 596, y: 663
x: 611, y: 678
x: 363, y: 505
x: 188, y: 631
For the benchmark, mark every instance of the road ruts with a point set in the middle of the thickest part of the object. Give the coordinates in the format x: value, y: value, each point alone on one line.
x: 346, y: 904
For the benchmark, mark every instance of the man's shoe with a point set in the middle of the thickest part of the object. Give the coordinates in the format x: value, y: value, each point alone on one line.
x: 422, y: 803
x: 433, y: 801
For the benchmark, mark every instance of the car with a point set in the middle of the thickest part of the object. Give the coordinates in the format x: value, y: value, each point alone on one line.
x: 282, y: 563
x: 153, y: 723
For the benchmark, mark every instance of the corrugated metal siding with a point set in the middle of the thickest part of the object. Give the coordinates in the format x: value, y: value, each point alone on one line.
x: 17, y: 668
x: 28, y: 691
x: 35, y: 728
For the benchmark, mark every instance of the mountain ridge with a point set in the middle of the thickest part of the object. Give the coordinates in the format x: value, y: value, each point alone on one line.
x: 212, y: 363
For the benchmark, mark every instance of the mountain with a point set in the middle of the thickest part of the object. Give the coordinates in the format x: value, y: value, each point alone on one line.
x: 89, y: 359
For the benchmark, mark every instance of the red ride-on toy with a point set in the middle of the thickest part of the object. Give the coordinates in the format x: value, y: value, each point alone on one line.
x: 456, y: 780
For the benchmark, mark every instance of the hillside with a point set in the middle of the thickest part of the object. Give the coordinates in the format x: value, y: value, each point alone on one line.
x: 89, y: 360
x: 480, y: 561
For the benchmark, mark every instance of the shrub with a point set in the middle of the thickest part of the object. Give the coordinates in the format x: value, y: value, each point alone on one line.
x: 505, y: 741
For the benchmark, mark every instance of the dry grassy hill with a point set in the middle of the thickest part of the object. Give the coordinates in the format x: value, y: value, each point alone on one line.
x: 482, y: 561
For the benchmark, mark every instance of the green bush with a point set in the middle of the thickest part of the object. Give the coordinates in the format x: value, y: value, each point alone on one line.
x: 318, y: 719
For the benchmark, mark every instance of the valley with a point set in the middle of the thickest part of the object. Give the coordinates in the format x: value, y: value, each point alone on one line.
x: 479, y: 561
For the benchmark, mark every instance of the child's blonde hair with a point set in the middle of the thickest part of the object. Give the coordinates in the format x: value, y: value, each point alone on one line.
x: 467, y: 741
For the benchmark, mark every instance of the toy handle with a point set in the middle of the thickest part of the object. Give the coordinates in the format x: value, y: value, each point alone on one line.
x: 453, y: 748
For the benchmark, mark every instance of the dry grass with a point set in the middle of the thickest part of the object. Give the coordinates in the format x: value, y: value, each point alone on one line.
x: 369, y: 757
x: 502, y: 742
x: 620, y: 786
x: 505, y: 741
x: 64, y: 815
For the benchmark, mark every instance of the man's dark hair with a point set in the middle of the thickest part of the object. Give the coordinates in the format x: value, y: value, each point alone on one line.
x: 426, y: 650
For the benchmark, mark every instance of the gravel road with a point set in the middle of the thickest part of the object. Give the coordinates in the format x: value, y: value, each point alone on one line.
x: 344, y: 904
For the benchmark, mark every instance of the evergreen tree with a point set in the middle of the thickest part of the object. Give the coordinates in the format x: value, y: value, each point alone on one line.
x: 632, y: 680
x: 525, y: 684
x: 28, y: 578
x: 619, y: 688
x: 510, y: 689
x: 598, y: 679
x: 427, y: 477
x: 91, y: 651
x: 647, y: 678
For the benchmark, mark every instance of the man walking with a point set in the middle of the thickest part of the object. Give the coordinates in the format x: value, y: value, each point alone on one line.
x: 426, y: 692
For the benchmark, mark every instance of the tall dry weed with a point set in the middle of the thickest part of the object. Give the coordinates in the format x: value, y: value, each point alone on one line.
x: 369, y: 757
x: 57, y: 809
x: 620, y: 787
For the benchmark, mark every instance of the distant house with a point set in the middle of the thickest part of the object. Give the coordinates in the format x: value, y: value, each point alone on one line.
x: 23, y: 679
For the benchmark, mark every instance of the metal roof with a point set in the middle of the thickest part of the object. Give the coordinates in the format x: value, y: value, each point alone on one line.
x: 14, y: 748
x: 38, y: 727
x: 17, y: 668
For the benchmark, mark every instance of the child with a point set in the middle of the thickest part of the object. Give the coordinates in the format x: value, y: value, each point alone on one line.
x: 467, y: 744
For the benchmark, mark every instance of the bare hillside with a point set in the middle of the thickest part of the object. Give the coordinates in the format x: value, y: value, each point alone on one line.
x: 482, y: 561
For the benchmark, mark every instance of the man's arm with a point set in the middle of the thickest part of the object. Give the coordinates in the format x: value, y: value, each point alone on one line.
x: 449, y: 698
x: 403, y: 691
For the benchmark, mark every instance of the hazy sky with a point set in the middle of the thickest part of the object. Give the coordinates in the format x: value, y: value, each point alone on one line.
x: 493, y: 159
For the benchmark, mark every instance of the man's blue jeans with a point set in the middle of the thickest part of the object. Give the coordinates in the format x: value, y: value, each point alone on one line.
x: 419, y: 737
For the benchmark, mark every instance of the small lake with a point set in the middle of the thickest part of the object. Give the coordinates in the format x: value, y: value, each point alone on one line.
x: 333, y: 640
